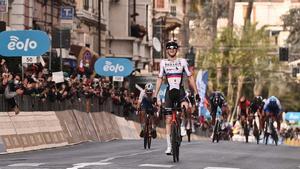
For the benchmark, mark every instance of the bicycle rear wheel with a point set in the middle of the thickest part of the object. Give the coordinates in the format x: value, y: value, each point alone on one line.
x: 175, y: 147
x: 189, y: 132
x: 145, y: 141
x: 256, y: 132
x: 246, y: 131
x: 274, y: 135
x: 146, y: 136
x: 215, y: 132
x: 149, y: 139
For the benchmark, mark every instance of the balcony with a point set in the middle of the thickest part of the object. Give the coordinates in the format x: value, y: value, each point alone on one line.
x: 87, y: 15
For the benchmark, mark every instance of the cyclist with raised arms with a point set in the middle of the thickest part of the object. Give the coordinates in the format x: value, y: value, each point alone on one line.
x: 173, y: 69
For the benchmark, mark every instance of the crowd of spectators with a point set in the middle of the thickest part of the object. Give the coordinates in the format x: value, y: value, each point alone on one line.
x: 38, y: 82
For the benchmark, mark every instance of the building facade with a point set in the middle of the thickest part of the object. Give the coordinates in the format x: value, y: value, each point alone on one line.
x: 168, y: 18
x: 129, y: 24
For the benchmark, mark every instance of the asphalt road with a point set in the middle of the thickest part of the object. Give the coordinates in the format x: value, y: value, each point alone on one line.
x: 130, y: 154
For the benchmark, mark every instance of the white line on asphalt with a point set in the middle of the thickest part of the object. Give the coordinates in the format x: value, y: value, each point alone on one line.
x: 26, y: 165
x: 128, y: 155
x: 105, y: 161
x: 156, y: 165
x: 219, y: 168
x: 82, y: 165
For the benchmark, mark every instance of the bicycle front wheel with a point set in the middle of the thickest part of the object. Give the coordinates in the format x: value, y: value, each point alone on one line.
x: 175, y: 146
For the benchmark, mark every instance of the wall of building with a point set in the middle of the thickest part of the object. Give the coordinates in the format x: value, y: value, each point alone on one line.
x: 21, y: 14
x: 265, y: 13
x: 119, y: 19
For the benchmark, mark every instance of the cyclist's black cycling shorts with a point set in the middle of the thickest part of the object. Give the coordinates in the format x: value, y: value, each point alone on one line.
x: 148, y: 107
x: 174, y: 96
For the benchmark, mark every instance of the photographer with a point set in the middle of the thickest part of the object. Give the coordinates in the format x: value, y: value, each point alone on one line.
x: 13, y: 89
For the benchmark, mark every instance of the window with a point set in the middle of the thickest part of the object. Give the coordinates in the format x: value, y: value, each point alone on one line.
x: 173, y: 10
x: 160, y: 3
x: 86, y: 4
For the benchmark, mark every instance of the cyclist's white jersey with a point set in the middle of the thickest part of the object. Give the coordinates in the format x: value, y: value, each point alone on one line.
x: 173, y: 70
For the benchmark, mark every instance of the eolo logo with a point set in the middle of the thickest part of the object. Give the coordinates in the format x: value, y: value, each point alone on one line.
x: 23, y: 43
x: 16, y: 44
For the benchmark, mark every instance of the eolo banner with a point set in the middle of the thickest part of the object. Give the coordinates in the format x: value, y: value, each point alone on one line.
x: 24, y: 43
x: 113, y: 67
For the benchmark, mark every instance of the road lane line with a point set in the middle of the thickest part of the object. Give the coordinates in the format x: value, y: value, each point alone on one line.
x: 82, y: 165
x: 156, y: 165
x: 128, y: 155
x: 26, y: 165
x: 219, y: 168
x: 106, y: 161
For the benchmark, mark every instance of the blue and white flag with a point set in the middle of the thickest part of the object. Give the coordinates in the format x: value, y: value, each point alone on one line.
x: 201, y: 83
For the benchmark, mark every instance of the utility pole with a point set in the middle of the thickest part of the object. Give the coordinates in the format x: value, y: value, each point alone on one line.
x: 99, y: 26
x: 134, y: 10
x: 51, y: 31
x: 214, y: 21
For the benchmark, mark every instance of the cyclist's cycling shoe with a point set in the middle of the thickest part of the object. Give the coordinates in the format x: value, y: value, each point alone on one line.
x: 168, y: 151
x: 153, y: 133
x: 142, y: 133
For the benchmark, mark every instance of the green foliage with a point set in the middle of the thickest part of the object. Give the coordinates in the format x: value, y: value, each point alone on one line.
x: 246, y: 51
x: 203, y: 8
x: 291, y: 21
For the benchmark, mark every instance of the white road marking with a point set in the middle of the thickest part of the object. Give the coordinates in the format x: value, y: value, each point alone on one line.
x: 105, y: 161
x: 82, y: 165
x: 219, y: 168
x: 26, y: 165
x: 156, y: 165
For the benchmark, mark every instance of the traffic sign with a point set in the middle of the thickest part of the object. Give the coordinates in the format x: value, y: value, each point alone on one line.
x: 67, y: 13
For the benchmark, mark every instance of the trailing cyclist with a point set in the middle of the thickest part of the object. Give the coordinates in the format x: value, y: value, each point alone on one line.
x: 272, y: 109
x: 244, y: 106
x: 219, y: 111
x: 146, y: 105
x: 216, y: 99
x: 256, y: 107
x: 187, y: 125
x: 173, y: 69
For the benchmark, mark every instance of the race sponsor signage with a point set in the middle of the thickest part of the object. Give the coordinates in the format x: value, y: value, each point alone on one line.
x: 23, y: 43
x: 292, y: 116
x: 113, y: 67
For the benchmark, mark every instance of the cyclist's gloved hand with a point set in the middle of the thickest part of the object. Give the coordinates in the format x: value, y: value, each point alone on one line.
x: 197, y: 97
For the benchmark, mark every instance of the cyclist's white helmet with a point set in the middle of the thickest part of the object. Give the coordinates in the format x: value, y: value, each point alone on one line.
x: 149, y: 88
x: 273, y: 99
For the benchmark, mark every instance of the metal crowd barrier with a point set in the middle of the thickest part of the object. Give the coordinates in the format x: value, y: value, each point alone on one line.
x: 32, y: 103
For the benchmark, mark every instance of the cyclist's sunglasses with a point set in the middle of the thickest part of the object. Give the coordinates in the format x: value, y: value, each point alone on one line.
x: 172, y: 47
